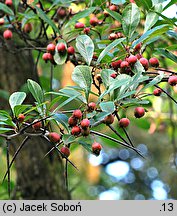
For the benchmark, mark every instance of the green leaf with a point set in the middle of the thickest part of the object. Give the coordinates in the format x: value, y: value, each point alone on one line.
x: 36, y: 91
x: 20, y: 109
x: 172, y: 34
x: 167, y: 54
x: 4, y: 115
x: 82, y: 77
x: 109, y: 48
x: 80, y: 15
x: 106, y: 77
x: 16, y: 98
x: 71, y: 92
x: 117, y: 2
x: 138, y: 68
x: 107, y: 107
x: 46, y: 19
x: 4, y: 130
x: 62, y: 119
x: 67, y: 139
x: 60, y: 58
x: 147, y: 4
x: 156, y: 31
x: 85, y: 46
x: 170, y: 4
x: 6, y: 9
x: 130, y: 19
x: 152, y: 17
x: 168, y: 20
x: 115, y: 15
x: 86, y: 146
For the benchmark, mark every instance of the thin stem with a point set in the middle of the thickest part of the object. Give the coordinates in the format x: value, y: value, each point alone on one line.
x: 8, y: 170
x: 51, y: 81
x: 66, y: 175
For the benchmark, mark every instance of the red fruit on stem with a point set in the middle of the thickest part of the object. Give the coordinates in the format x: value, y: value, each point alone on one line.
x: 9, y: 3
x: 157, y: 92
x: 61, y: 12
x: 47, y: 56
x: 96, y: 148
x: 54, y: 137
x: 79, y: 25
x: 94, y: 21
x: 86, y: 30
x: 124, y: 122
x: 72, y: 121
x: 71, y: 50
x: 75, y: 130
x: 139, y: 112
x: 138, y: 47
x: 65, y: 151
x: 112, y: 36
x: 113, y: 75
x: 61, y: 47
x: 28, y: 28
x: 109, y: 119
x: 113, y: 7
x: 7, y: 34
x: 85, y: 123
x: 2, y: 21
x: 154, y: 62
x: 91, y: 106
x: 116, y: 64
x: 77, y: 114
x: 51, y: 48
x: 37, y: 125
x: 124, y: 64
x: 138, y: 56
x: 132, y: 59
x: 145, y: 63
x: 172, y: 80
x: 21, y: 118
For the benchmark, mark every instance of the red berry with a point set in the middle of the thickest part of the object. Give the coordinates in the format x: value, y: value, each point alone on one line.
x: 21, y: 118
x: 116, y: 64
x: 72, y: 121
x: 71, y: 50
x: 112, y: 36
x: 51, y: 48
x: 61, y: 47
x: 109, y: 119
x: 65, y: 151
x: 157, y: 92
x: 61, y: 12
x: 9, y: 3
x: 91, y: 106
x: 154, y: 62
x: 113, y: 75
x: 145, y: 63
x: 124, y: 64
x: 7, y: 34
x: 37, y: 125
x: 113, y: 7
x: 54, y: 137
x: 47, y: 56
x: 94, y: 21
x: 85, y: 123
x: 79, y: 25
x: 2, y: 21
x: 95, y: 57
x: 172, y: 80
x: 139, y: 112
x: 86, y: 30
x: 75, y: 130
x: 124, y: 122
x: 132, y: 60
x: 85, y: 132
x: 138, y: 47
x: 28, y: 28
x: 77, y: 114
x: 96, y: 148
x: 138, y: 56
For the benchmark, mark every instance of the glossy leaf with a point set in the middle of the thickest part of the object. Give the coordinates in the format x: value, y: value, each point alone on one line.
x: 6, y: 9
x: 108, y: 106
x: 115, y: 15
x: 85, y: 46
x: 106, y: 77
x: 62, y: 119
x: 167, y: 54
x: 67, y: 138
x: 147, y: 4
x: 16, y: 98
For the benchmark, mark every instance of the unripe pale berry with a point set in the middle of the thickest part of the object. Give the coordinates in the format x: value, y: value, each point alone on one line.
x: 139, y: 112
x: 86, y: 30
x: 109, y: 119
x: 71, y: 50
x: 54, y: 137
x: 112, y: 36
x: 91, y: 106
x: 124, y: 64
x: 85, y: 123
x: 113, y: 75
x: 96, y: 148
x: 132, y: 59
x: 61, y: 47
x: 65, y: 151
x: 37, y: 125
x: 124, y: 122
x: 7, y: 34
x: 72, y: 121
x: 75, y: 130
x: 28, y: 28
x: 145, y: 63
x: 9, y: 3
x: 77, y: 114
x: 94, y: 21
x: 51, y: 48
x: 116, y: 64
x: 157, y: 92
x: 172, y: 80
x: 21, y: 118
x: 79, y: 25
x: 2, y: 21
x: 113, y: 7
x: 154, y: 62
